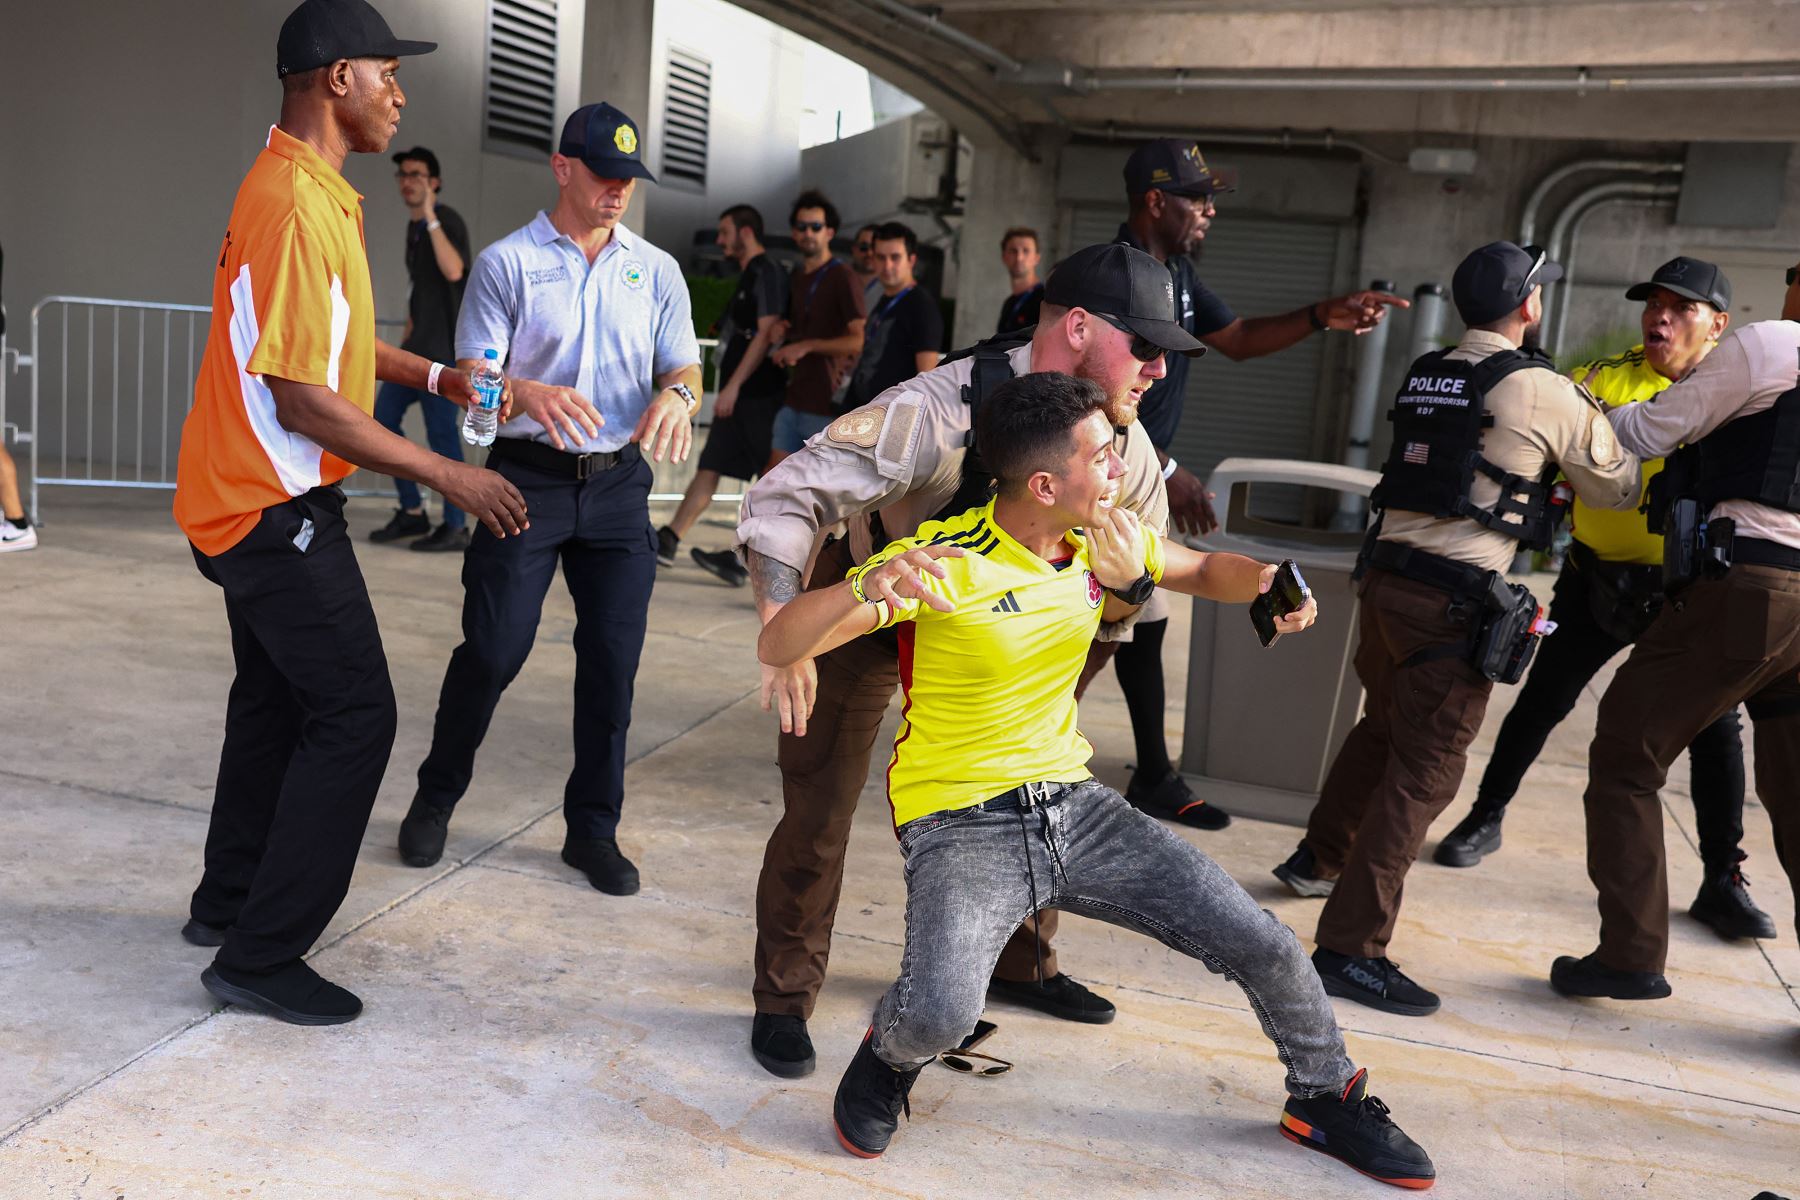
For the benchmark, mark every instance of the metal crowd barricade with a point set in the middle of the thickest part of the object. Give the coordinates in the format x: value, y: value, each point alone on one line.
x: 120, y: 377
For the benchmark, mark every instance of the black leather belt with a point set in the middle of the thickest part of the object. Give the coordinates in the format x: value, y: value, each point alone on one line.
x: 1432, y: 570
x: 552, y: 461
x: 1763, y: 553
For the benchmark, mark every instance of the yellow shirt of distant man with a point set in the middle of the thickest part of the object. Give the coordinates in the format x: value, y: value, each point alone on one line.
x: 1614, y: 535
x: 989, y: 689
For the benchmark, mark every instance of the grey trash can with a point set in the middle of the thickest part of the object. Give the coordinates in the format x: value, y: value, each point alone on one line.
x: 1264, y: 723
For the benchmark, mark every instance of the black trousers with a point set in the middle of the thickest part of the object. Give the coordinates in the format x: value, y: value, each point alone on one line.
x: 1566, y: 661
x: 599, y: 530
x: 308, y: 728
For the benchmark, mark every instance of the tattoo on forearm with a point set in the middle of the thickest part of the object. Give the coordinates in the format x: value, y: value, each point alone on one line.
x: 770, y: 581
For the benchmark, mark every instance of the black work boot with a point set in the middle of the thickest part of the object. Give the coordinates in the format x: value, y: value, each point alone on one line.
x: 1376, y: 982
x: 1588, y: 976
x: 1356, y: 1129
x: 1301, y: 874
x: 1475, y: 837
x: 402, y: 525
x: 781, y: 1044
x: 422, y: 834
x: 870, y: 1098
x: 1724, y: 904
x: 605, y: 866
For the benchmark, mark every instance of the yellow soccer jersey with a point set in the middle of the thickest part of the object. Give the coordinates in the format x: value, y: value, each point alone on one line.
x: 990, y: 688
x: 1620, y: 536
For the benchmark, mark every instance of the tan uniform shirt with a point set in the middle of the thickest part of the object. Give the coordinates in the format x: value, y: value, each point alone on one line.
x: 1742, y: 377
x: 1540, y: 418
x: 900, y: 455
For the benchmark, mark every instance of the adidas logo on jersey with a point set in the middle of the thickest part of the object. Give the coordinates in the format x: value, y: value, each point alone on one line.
x: 1008, y: 604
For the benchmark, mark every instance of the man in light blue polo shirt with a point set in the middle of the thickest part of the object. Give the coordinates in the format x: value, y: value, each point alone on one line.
x: 593, y: 328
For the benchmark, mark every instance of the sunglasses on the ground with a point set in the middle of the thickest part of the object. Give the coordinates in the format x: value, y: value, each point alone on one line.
x: 808, y: 226
x: 958, y: 1061
x: 1142, y: 348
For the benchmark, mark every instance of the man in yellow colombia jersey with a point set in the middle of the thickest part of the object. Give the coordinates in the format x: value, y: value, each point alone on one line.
x: 1609, y: 591
x: 996, y: 812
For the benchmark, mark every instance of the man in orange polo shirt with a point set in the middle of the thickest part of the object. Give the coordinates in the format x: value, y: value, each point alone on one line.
x: 281, y: 414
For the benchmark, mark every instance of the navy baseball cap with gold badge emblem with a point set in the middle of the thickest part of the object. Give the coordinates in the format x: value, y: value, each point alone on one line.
x: 606, y: 140
x: 1175, y: 166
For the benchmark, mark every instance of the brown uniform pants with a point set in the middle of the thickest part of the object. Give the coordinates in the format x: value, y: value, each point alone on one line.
x: 1401, y: 764
x: 822, y: 776
x: 1721, y: 642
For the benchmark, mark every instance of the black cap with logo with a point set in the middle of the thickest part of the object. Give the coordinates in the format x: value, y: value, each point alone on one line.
x: 1124, y: 283
x: 320, y: 32
x: 1690, y: 277
x: 1177, y: 167
x: 1496, y: 279
x: 420, y: 154
x: 606, y: 140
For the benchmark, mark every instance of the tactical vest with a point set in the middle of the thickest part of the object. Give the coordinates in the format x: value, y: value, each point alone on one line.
x: 1755, y: 458
x: 993, y: 367
x: 1439, y: 415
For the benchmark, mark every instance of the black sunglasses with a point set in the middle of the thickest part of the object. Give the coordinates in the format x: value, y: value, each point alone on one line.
x: 1142, y: 348
x: 808, y: 226
x: 958, y: 1061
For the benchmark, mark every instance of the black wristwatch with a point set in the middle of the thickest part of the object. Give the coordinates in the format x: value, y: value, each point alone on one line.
x: 1139, y: 591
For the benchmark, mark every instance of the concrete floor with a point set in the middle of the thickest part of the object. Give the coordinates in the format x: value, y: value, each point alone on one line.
x: 526, y: 1036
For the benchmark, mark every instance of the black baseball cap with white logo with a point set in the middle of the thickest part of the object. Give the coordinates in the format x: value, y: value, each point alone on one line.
x: 1690, y: 277
x: 1175, y: 166
x: 1127, y: 285
x: 1496, y: 279
x: 320, y: 32
x: 606, y: 140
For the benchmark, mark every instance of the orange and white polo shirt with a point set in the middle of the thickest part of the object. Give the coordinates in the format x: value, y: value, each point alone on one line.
x: 291, y: 299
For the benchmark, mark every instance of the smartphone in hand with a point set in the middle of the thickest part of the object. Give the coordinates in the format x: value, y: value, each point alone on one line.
x: 1286, y: 594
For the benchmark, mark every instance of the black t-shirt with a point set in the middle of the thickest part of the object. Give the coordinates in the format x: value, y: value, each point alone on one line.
x: 1201, y: 313
x: 1021, y: 311
x: 434, y: 301
x: 898, y: 327
x: 762, y: 291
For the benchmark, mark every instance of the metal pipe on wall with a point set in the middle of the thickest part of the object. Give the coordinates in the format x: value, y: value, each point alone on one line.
x: 1555, y: 340
x: 1365, y: 401
x: 1428, y: 321
x: 1528, y: 216
x: 1774, y: 75
x: 1286, y: 139
x: 1554, y: 294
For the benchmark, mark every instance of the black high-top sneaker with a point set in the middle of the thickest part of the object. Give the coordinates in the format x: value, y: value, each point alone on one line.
x: 1355, y: 1128
x: 1724, y: 903
x: 1301, y: 874
x: 1475, y: 837
x: 870, y: 1099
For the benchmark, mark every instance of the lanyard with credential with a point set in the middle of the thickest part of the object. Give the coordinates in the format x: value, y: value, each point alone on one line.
x: 813, y: 288
x: 1016, y: 305
x: 887, y: 306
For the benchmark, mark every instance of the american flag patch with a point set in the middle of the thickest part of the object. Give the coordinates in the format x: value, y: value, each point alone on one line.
x: 1417, y: 453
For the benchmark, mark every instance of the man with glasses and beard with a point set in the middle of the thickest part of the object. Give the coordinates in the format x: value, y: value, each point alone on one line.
x: 1451, y: 518
x: 823, y: 334
x: 886, y: 468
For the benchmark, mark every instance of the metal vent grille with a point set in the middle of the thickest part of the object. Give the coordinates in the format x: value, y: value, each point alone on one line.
x: 521, y: 73
x: 687, y: 109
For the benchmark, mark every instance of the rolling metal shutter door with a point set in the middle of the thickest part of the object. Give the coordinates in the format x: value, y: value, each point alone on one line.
x: 1262, y: 407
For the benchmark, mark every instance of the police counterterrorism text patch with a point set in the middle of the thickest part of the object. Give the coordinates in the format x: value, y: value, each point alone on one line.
x: 859, y: 428
x: 625, y: 138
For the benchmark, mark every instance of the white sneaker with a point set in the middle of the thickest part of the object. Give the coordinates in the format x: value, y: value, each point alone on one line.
x: 13, y: 538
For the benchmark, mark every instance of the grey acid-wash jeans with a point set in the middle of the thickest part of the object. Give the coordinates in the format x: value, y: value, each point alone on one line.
x: 970, y: 878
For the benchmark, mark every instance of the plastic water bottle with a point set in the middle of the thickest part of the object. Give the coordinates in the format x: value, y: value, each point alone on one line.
x: 482, y: 419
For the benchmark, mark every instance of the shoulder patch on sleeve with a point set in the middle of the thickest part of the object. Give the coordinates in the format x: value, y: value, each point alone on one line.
x: 1603, y: 444
x: 859, y: 428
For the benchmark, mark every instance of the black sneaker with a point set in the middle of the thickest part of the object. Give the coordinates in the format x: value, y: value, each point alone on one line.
x: 722, y: 563
x: 443, y: 540
x: 606, y: 868
x: 1356, y: 1129
x: 199, y: 933
x: 1376, y: 982
x: 1172, y: 800
x: 402, y: 525
x: 1475, y: 837
x: 666, y: 545
x: 1059, y: 996
x: 1588, y: 977
x: 1725, y: 905
x: 422, y: 834
x: 294, y: 993
x: 1301, y: 874
x: 870, y: 1098
x: 781, y: 1044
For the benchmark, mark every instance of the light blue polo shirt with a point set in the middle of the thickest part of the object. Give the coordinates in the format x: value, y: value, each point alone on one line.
x: 607, y: 330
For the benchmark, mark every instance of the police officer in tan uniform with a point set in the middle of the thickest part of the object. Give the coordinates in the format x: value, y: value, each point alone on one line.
x: 1480, y: 433
x: 882, y: 470
x: 1729, y: 634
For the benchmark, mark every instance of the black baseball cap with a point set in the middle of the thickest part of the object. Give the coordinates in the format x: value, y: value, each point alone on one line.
x: 1177, y: 167
x: 606, y: 140
x: 1690, y: 277
x: 1124, y: 284
x: 320, y: 32
x: 420, y: 154
x: 1496, y: 279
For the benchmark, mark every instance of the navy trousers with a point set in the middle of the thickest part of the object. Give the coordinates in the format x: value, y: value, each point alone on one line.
x: 599, y: 530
